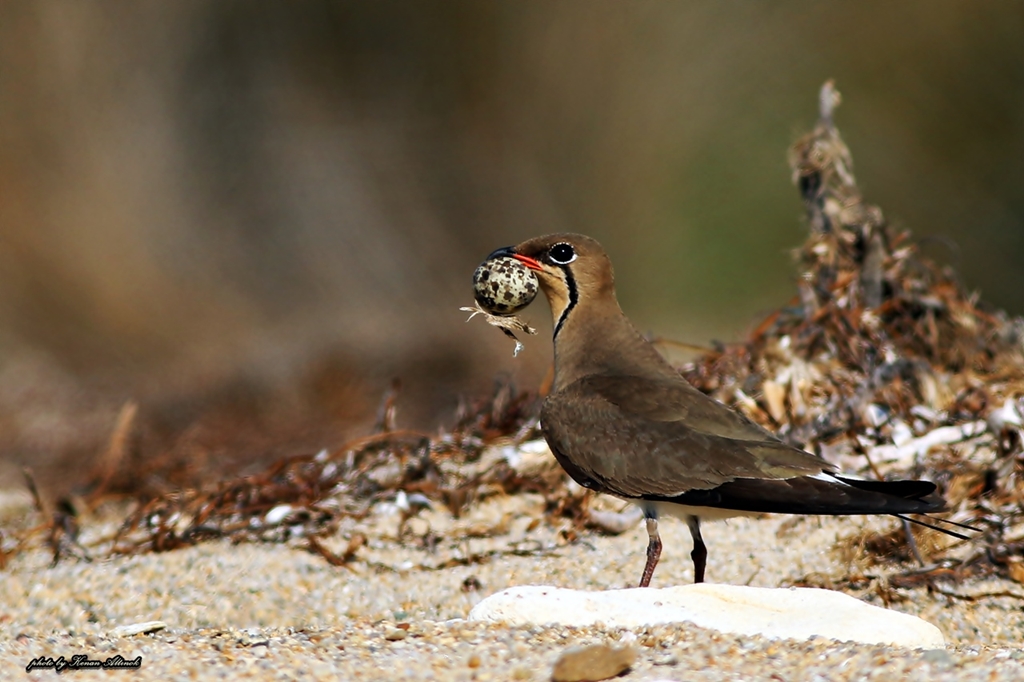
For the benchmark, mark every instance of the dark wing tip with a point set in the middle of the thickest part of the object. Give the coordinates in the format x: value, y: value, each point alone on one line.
x: 817, y: 495
x: 910, y: 490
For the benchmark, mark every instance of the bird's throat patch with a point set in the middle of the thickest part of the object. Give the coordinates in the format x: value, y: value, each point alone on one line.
x: 573, y: 296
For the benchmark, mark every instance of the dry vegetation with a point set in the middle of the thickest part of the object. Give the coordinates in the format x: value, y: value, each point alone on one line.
x: 883, y: 363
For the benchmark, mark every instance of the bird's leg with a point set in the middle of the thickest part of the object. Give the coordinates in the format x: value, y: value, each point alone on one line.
x: 700, y: 552
x: 912, y: 541
x: 653, y: 551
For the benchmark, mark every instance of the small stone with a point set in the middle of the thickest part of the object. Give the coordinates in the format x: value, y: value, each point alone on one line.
x: 665, y: 659
x: 937, y: 657
x: 396, y: 634
x: 278, y: 514
x: 138, y: 628
x: 474, y: 661
x: 252, y: 637
x: 592, y: 663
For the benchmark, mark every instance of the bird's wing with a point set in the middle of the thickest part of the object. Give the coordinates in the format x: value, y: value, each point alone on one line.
x: 638, y: 437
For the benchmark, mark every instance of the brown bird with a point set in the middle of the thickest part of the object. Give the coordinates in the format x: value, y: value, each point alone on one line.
x: 620, y: 420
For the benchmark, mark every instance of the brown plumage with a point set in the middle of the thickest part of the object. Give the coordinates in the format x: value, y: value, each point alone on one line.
x: 620, y: 420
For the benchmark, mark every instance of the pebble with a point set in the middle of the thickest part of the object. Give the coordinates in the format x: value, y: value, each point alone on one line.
x: 665, y: 659
x: 592, y: 663
x: 937, y: 657
x: 137, y: 628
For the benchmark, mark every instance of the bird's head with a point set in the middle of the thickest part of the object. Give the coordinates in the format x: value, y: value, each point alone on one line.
x: 570, y: 268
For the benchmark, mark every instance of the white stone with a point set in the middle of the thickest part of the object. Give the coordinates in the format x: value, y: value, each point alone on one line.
x: 138, y: 628
x: 278, y: 514
x: 777, y: 613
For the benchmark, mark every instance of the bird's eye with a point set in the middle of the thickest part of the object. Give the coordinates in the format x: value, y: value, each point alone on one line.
x: 562, y: 254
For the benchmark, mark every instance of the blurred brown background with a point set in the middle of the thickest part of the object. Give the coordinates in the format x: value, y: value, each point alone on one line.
x: 248, y: 217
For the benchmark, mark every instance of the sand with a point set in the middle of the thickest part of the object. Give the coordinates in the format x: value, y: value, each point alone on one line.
x: 276, y: 611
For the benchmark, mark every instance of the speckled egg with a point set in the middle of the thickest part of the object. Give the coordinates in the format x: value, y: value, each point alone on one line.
x: 504, y: 285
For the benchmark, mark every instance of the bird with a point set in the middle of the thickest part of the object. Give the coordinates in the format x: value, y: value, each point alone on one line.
x: 621, y: 420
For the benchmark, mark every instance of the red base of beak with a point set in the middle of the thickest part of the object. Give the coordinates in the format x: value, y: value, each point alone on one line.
x: 528, y: 262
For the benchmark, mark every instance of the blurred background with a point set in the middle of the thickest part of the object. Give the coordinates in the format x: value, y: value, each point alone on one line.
x: 248, y: 217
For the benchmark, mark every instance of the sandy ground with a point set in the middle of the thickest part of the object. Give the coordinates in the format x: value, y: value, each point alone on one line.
x: 279, y: 612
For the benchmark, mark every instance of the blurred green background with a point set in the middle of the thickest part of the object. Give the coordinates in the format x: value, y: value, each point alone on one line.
x: 264, y: 211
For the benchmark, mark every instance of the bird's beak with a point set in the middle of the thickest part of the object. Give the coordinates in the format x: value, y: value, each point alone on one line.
x: 506, y: 251
x: 528, y: 262
x: 510, y: 252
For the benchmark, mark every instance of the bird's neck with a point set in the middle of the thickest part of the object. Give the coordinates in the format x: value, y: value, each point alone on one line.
x: 597, y: 338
